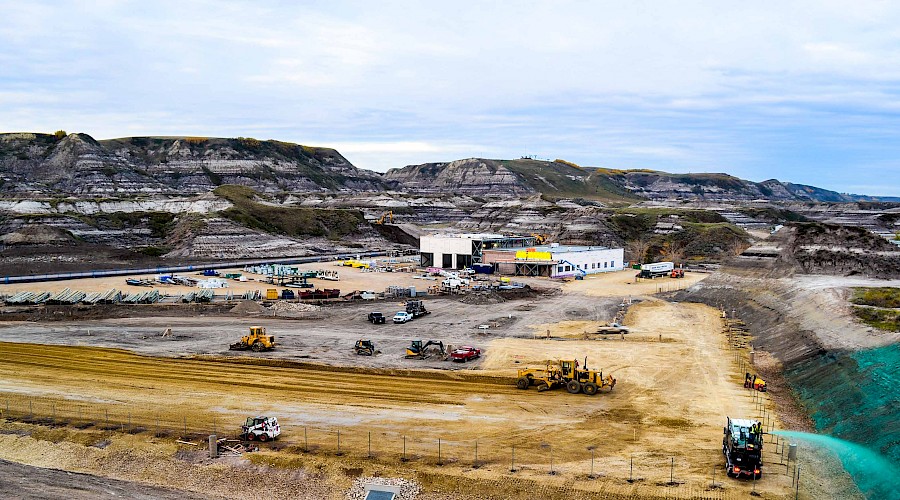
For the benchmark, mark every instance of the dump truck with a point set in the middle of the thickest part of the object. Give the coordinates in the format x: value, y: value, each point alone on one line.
x: 365, y: 347
x: 656, y: 270
x: 742, y: 446
x: 565, y: 373
x: 257, y: 341
x: 754, y: 382
x: 260, y: 428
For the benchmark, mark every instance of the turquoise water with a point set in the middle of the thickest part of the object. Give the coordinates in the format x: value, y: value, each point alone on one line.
x: 875, y: 475
x: 855, y: 396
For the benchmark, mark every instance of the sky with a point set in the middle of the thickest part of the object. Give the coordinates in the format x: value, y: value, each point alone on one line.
x: 802, y: 91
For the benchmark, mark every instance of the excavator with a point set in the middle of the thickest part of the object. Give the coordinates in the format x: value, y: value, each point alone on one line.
x: 387, y: 217
x: 256, y: 341
x: 540, y: 239
x: 418, y: 349
x: 565, y: 372
x: 754, y: 382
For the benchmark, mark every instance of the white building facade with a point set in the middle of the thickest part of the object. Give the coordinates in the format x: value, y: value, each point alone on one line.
x: 573, y: 261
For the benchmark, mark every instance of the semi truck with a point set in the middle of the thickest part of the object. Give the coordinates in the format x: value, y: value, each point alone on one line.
x: 656, y: 270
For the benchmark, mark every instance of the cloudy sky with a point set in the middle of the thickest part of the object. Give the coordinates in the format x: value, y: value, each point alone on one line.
x: 807, y: 92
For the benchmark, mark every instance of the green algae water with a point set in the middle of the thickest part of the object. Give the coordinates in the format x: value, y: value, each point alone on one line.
x: 876, y: 477
x: 854, y: 400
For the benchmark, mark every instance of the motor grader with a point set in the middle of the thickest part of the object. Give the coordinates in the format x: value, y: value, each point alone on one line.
x: 567, y: 373
x: 257, y: 341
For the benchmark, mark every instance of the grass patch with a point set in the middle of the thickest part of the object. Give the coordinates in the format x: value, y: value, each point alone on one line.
x: 561, y: 179
x: 290, y: 221
x: 887, y: 297
x: 882, y: 319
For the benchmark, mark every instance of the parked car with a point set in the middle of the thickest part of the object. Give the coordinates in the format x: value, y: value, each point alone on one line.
x: 465, y: 353
x: 376, y: 318
x: 402, y: 317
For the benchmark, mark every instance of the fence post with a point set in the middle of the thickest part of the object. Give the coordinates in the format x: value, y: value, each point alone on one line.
x: 339, y: 442
x: 631, y: 471
x: 305, y: 440
x: 184, y: 421
x: 370, y: 444
x: 475, y: 463
x: 672, y: 472
x: 512, y: 467
x: 440, y: 462
x: 797, y: 492
x: 404, y: 448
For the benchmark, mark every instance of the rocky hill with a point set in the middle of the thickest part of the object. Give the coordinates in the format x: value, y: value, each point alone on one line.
x: 76, y: 164
x: 560, y: 178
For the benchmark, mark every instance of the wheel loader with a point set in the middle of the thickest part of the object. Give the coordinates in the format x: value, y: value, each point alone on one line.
x: 257, y: 341
x: 565, y: 373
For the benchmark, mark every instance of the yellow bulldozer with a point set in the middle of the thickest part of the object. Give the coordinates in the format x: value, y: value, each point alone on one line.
x: 257, y: 341
x: 567, y: 373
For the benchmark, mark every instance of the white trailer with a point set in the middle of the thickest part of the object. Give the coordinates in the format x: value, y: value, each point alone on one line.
x: 656, y: 269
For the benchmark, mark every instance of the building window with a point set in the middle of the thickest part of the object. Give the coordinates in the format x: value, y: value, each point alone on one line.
x: 427, y: 259
x: 604, y: 265
x: 447, y: 261
x: 559, y: 269
x: 568, y: 268
x: 612, y: 263
x: 463, y: 260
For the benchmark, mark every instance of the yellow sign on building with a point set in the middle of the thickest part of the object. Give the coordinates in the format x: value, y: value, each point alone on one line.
x: 526, y: 255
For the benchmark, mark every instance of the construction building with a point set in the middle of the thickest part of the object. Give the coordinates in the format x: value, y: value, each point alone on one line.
x: 458, y: 251
x: 555, y: 261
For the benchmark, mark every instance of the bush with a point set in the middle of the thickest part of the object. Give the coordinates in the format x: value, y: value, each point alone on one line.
x: 60, y: 135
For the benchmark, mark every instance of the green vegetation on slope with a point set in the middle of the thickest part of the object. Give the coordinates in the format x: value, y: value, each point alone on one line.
x: 562, y: 179
x: 773, y: 215
x: 877, y: 296
x: 290, y: 221
x: 882, y: 319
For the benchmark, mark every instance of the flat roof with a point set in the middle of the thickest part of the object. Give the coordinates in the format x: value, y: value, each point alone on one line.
x: 479, y: 236
x: 555, y: 249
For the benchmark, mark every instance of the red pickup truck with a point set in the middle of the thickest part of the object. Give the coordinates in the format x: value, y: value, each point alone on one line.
x: 465, y: 353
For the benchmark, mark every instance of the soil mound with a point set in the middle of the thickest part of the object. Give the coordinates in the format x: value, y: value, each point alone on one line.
x: 248, y: 308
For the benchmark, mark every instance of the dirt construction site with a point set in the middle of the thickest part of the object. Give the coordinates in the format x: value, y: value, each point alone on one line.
x: 115, y: 397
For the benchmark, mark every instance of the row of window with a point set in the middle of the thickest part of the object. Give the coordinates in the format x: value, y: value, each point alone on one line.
x: 594, y: 265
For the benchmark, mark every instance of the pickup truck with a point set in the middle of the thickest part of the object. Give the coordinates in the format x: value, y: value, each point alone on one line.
x: 465, y: 353
x: 376, y: 318
x: 402, y: 317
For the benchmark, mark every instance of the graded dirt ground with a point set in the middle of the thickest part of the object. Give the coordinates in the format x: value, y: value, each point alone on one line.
x: 670, y: 402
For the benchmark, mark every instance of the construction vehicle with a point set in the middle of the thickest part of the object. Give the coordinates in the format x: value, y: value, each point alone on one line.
x: 540, y: 239
x: 364, y: 347
x: 677, y: 273
x: 271, y: 294
x: 742, y: 447
x: 754, y: 382
x: 416, y: 308
x: 655, y: 270
x: 418, y: 349
x: 565, y: 373
x: 387, y: 217
x: 260, y: 428
x: 257, y: 341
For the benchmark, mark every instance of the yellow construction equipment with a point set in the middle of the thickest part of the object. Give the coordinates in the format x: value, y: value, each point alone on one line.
x: 256, y: 341
x: 540, y: 239
x: 565, y: 372
x: 271, y: 294
x: 754, y: 382
x: 387, y: 217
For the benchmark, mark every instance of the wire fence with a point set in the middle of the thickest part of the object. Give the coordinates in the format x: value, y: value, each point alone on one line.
x: 652, y: 468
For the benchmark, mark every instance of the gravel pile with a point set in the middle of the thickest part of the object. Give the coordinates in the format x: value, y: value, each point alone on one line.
x: 483, y: 298
x: 409, y: 490
x: 248, y: 307
x: 289, y: 307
